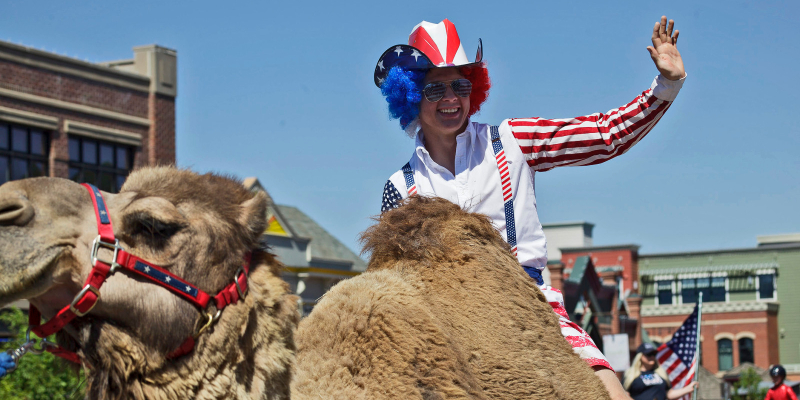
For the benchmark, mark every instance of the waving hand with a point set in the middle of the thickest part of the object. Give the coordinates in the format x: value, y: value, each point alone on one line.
x: 664, y: 51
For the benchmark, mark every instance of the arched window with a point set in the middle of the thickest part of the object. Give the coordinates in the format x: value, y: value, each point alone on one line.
x: 725, y: 354
x: 745, y: 350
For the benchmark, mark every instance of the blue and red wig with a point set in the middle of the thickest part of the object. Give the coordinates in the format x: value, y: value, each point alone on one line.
x: 403, y: 91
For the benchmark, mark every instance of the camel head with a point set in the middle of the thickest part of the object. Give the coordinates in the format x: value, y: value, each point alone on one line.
x: 197, y: 227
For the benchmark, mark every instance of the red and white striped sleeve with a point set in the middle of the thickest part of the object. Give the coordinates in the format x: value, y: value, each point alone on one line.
x: 594, y: 138
x: 582, y: 344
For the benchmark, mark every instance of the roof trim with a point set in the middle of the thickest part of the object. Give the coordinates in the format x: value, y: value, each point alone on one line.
x: 707, y: 268
x: 568, y: 223
x: 778, y: 239
x: 629, y: 246
x: 55, y: 62
x: 710, y: 308
x: 764, y: 248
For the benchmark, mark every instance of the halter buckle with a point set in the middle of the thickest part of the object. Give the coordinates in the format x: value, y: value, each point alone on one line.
x: 97, y: 244
x: 73, y: 306
x: 208, y: 323
x: 238, y: 273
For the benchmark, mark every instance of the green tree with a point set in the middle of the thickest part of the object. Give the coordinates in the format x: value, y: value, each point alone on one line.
x: 749, y: 381
x: 37, y: 377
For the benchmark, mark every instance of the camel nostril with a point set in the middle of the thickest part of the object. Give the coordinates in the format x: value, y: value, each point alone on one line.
x: 9, y: 208
x: 15, y: 211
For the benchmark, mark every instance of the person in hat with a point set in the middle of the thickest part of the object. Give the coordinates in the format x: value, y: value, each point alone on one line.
x: 780, y: 391
x: 646, y: 380
x: 433, y: 89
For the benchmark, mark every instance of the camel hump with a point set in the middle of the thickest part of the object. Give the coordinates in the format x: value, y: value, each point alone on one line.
x: 426, y: 228
x: 373, y: 337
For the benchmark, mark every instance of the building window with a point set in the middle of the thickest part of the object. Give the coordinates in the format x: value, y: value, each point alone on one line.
x: 23, y: 153
x: 664, y: 289
x: 766, y: 287
x: 103, y: 164
x: 725, y: 352
x: 713, y: 289
x: 746, y: 350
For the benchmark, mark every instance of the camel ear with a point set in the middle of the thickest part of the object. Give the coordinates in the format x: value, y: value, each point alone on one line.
x: 254, y: 214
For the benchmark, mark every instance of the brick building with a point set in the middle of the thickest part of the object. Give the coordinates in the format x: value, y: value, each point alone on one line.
x: 743, y: 292
x: 750, y: 301
x: 68, y: 118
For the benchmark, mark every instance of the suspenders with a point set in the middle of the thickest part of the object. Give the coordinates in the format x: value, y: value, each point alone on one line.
x: 505, y: 183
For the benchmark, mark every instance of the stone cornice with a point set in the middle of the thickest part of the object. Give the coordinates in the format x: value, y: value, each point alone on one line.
x: 587, y: 249
x: 103, y: 133
x: 709, y: 308
x: 28, y: 118
x: 65, y: 105
x: 62, y: 64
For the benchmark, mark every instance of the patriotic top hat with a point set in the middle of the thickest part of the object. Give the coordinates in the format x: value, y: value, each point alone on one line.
x: 429, y: 46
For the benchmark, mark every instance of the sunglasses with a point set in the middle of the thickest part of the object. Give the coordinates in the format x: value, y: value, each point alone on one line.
x: 435, y: 91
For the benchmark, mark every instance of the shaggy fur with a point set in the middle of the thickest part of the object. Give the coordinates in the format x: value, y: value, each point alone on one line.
x: 196, y: 226
x: 444, y: 311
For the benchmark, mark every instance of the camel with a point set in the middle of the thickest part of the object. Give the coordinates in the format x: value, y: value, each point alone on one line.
x: 444, y: 311
x: 198, y: 227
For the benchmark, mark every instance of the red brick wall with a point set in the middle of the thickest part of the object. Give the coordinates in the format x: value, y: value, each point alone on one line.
x: 65, y: 87
x: 161, y: 147
x: 765, y: 344
x: 158, y: 141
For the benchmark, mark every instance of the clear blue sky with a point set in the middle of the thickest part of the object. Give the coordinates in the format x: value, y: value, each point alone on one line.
x: 283, y: 91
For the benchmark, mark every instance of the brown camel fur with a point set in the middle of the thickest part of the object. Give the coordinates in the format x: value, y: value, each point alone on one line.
x: 444, y: 311
x: 198, y: 227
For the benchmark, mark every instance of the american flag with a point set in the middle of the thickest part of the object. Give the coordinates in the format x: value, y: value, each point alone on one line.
x: 678, y: 356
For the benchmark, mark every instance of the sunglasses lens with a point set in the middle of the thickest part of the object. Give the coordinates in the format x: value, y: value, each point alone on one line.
x: 434, y: 91
x: 462, y: 87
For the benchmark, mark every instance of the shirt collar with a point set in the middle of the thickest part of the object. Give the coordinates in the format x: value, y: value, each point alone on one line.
x: 419, y: 140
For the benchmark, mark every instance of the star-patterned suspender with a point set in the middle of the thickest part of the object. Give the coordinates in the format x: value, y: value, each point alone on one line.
x: 408, y: 173
x: 505, y: 181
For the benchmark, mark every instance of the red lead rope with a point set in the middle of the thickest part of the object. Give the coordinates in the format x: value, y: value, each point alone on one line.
x: 87, y: 298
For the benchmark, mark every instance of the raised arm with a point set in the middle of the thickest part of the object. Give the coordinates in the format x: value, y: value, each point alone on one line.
x: 599, y: 137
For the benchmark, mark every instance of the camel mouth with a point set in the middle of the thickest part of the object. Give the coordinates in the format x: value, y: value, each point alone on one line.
x: 33, y: 279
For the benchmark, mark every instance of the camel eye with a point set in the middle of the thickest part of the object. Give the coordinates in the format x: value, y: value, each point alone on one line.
x: 148, y: 227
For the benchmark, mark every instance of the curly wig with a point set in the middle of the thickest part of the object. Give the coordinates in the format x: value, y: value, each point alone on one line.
x: 403, y: 91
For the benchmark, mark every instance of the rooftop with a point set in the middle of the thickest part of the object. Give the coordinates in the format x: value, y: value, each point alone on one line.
x: 323, y: 245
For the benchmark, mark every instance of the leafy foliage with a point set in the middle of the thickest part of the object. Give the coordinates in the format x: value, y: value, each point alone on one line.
x: 749, y: 381
x: 37, y: 377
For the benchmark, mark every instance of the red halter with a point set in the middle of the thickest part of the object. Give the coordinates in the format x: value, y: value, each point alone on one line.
x: 87, y: 298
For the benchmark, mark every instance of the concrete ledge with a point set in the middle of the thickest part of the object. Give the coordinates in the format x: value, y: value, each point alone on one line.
x: 28, y: 118
x: 58, y: 63
x: 64, y: 105
x: 735, y: 321
x: 708, y: 308
x: 103, y: 133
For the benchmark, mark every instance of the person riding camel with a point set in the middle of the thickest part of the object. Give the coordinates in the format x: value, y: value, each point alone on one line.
x: 433, y: 90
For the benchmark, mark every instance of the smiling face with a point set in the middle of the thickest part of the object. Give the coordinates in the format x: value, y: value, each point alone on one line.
x: 448, y: 116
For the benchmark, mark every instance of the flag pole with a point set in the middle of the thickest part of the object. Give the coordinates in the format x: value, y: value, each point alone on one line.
x: 697, y: 348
